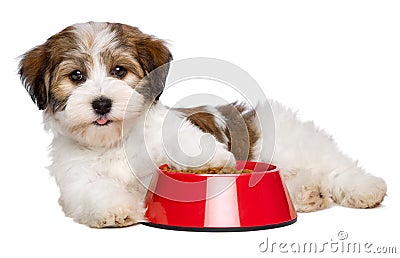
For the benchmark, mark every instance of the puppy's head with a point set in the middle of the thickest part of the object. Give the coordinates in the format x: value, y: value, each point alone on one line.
x: 84, y: 76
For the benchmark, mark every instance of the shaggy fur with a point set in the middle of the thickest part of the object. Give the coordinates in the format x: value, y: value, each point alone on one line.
x: 96, y: 148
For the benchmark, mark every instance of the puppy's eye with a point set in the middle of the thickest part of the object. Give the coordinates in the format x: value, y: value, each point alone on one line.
x: 119, y: 72
x: 77, y: 76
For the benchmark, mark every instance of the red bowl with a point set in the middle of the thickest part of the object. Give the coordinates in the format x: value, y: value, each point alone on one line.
x: 220, y: 202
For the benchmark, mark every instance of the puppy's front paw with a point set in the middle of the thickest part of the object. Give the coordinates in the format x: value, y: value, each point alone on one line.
x: 221, y: 158
x: 119, y: 210
x: 119, y: 217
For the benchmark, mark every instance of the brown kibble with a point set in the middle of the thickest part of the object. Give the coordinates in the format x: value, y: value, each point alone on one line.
x: 220, y: 170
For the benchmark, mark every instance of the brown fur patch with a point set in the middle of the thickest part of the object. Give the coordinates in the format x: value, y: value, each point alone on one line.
x: 152, y: 55
x: 202, y: 118
x: 241, y: 132
x: 42, y: 69
x: 121, y: 58
x: 33, y: 75
x: 36, y: 66
x: 242, y: 128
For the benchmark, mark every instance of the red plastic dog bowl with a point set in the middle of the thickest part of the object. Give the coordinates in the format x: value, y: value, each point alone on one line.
x: 220, y: 202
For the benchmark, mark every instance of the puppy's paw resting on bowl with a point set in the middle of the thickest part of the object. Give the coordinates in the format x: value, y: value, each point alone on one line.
x: 221, y: 158
x: 218, y: 159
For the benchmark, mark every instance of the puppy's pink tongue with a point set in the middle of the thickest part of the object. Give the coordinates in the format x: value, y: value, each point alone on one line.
x: 102, y: 121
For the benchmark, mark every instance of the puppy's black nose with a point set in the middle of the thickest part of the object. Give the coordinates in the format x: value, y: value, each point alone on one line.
x: 102, y: 105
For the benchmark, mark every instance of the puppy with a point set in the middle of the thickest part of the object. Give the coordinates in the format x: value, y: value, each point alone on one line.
x: 98, y: 85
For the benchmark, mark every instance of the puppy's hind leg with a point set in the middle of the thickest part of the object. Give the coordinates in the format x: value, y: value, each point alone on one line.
x: 310, y: 160
x: 308, y: 191
x: 298, y: 157
x: 338, y: 178
x: 352, y: 187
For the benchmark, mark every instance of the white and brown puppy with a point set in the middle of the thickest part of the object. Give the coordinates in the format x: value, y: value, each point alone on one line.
x: 99, y: 83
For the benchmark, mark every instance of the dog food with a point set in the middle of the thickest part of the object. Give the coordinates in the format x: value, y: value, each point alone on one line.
x: 220, y: 170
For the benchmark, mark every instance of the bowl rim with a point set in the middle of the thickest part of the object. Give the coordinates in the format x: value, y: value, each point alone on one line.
x: 271, y: 169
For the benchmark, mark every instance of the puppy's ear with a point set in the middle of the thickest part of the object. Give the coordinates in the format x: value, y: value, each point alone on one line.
x: 32, y: 71
x: 154, y: 57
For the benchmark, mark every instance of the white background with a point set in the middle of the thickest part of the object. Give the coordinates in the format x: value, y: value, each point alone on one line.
x: 337, y: 62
